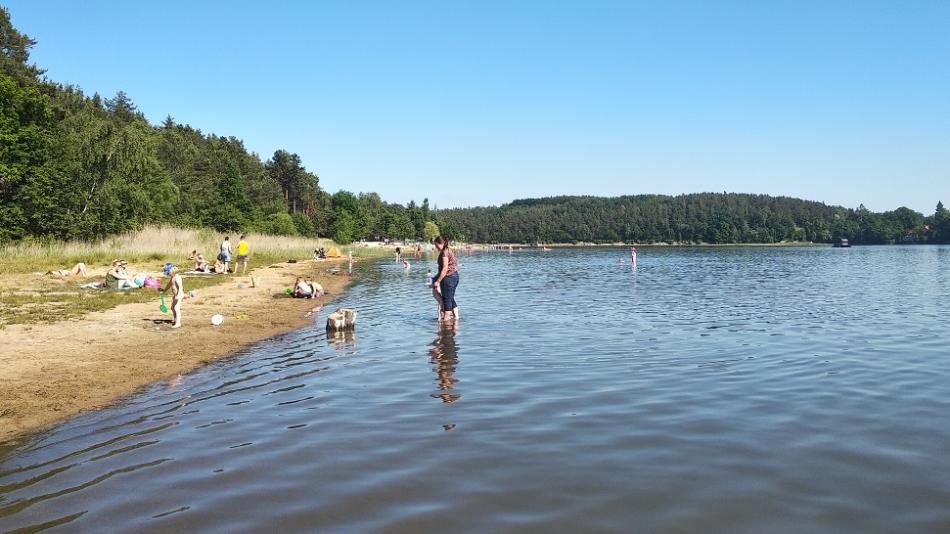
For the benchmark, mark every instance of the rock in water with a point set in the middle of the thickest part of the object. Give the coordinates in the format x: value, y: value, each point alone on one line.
x: 342, y: 319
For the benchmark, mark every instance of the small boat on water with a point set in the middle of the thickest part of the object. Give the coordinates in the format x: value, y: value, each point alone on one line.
x: 842, y: 243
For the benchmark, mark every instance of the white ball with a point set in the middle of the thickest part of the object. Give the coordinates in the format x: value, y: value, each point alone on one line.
x: 217, y: 319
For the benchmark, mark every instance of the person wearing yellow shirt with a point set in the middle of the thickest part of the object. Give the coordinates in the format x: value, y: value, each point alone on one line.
x: 243, y: 251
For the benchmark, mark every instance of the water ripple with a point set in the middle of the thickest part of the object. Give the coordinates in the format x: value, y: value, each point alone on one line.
x: 739, y: 390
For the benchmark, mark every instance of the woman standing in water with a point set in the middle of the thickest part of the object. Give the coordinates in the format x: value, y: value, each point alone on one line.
x: 447, y: 278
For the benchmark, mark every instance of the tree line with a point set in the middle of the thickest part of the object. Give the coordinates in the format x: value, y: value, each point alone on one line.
x: 74, y: 166
x: 692, y: 218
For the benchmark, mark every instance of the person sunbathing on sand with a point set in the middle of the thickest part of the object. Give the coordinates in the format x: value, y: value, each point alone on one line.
x: 79, y: 268
x: 118, y: 276
x: 201, y: 264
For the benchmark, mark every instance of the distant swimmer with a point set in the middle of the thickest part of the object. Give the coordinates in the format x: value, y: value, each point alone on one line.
x: 406, y: 266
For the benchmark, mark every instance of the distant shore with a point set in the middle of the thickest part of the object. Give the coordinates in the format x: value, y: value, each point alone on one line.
x: 51, y: 371
x: 648, y: 245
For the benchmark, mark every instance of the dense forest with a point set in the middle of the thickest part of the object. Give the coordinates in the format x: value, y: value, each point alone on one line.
x: 74, y: 166
x: 694, y: 218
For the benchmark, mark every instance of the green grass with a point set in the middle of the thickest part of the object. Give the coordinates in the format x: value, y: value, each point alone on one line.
x: 26, y: 298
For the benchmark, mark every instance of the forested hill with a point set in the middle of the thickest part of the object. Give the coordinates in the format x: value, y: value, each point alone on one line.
x: 693, y: 218
x: 79, y: 166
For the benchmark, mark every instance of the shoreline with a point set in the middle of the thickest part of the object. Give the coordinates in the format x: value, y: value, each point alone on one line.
x: 52, y: 371
x: 504, y: 246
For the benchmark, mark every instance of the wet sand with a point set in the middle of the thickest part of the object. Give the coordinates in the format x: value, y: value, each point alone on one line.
x: 49, y: 372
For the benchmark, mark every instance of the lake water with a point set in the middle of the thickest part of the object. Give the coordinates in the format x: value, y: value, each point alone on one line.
x: 707, y: 390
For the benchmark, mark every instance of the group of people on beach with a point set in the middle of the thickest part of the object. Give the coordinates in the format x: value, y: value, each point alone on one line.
x: 119, y: 277
x: 222, y: 262
x: 443, y: 283
x: 222, y: 265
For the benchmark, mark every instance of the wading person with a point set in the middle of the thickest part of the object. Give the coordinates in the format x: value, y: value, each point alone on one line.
x: 447, y: 279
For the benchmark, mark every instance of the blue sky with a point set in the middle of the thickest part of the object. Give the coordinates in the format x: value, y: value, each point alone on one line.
x: 473, y: 103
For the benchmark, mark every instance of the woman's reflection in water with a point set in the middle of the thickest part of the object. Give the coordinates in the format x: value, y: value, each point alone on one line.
x: 445, y: 356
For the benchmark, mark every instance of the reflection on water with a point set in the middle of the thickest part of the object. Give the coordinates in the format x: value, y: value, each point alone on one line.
x: 703, y: 390
x: 445, y: 358
x: 342, y: 339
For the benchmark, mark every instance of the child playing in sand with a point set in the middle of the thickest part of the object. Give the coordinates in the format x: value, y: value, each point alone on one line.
x: 307, y: 289
x: 178, y: 291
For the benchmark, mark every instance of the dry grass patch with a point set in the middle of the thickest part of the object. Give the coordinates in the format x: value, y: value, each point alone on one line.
x: 26, y: 296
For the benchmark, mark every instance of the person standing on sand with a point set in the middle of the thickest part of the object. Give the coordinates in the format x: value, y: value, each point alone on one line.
x: 178, y: 291
x: 225, y: 254
x: 243, y: 251
x: 448, y: 278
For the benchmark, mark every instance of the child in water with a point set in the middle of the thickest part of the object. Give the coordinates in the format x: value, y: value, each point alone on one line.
x: 436, y: 291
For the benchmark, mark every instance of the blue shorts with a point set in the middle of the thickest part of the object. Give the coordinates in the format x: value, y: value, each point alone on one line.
x: 224, y: 256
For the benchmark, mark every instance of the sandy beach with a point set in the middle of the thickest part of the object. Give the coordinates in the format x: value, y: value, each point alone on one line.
x: 52, y: 371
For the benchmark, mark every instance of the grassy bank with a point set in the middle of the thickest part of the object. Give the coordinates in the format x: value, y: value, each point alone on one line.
x: 151, y: 245
x: 26, y: 297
